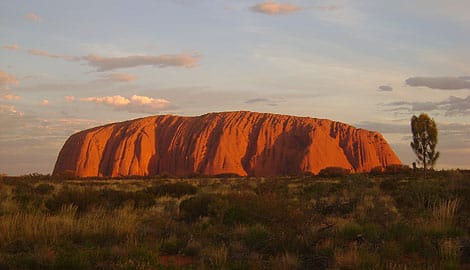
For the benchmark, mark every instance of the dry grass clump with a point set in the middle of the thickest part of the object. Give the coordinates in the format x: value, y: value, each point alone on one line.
x: 348, y: 258
x: 44, y: 228
x: 215, y: 256
x: 443, y: 214
x: 285, y: 261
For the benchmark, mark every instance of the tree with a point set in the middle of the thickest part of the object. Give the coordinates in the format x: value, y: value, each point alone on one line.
x: 424, y: 142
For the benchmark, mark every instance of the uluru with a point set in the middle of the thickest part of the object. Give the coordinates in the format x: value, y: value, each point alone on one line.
x: 242, y: 143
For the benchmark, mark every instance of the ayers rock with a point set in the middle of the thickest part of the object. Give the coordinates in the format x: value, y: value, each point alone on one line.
x: 243, y: 143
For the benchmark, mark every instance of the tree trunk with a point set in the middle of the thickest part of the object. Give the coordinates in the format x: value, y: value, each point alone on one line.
x: 424, y: 166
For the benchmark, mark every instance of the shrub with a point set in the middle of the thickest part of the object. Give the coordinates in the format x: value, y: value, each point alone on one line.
x: 377, y: 170
x: 88, y: 198
x: 257, y: 237
x: 44, y: 189
x: 320, y: 189
x: 198, y: 206
x: 334, y: 172
x: 350, y: 232
x: 397, y: 168
x: 389, y: 185
x: 177, y: 189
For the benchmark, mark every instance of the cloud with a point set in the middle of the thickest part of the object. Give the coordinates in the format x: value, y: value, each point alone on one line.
x: 120, y: 77
x: 11, y: 97
x: 69, y: 98
x: 273, y: 8
x: 442, y: 83
x: 33, y: 17
x: 114, y: 101
x: 13, y: 47
x: 328, y: 8
x: 453, y: 106
x: 111, y: 63
x: 456, y: 106
x: 385, y: 88
x: 265, y: 101
x: 30, y: 143
x: 384, y: 127
x: 7, y: 79
x: 9, y: 110
x: 50, y: 55
x: 134, y: 104
x: 169, y: 60
x: 256, y: 100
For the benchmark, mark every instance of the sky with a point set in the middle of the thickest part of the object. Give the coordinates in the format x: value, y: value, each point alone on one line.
x: 66, y: 66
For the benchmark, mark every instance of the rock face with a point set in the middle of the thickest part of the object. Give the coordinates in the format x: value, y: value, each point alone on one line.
x: 243, y: 143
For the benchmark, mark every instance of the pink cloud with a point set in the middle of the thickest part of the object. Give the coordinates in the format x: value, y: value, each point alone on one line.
x: 120, y: 77
x: 69, y: 98
x: 7, y: 79
x: 11, y: 97
x: 134, y: 104
x: 33, y: 17
x: 273, y: 8
x: 111, y: 63
x: 50, y: 55
x: 114, y: 101
x: 169, y: 60
x: 13, y: 47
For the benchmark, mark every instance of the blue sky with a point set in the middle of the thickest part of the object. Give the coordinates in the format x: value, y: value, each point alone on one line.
x: 70, y: 65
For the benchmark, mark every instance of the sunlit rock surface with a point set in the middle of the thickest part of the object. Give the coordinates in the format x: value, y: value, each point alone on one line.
x: 242, y: 143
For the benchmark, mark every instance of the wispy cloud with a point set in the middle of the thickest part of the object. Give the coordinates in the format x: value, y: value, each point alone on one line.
x: 69, y: 98
x: 50, y: 55
x: 120, y: 77
x: 11, y: 97
x: 7, y: 79
x: 169, y: 60
x: 33, y: 17
x: 13, y: 47
x: 8, y: 110
x: 110, y: 63
x: 134, y: 104
x: 274, y: 8
x: 453, y: 106
x: 442, y: 83
x: 264, y: 101
x: 328, y: 8
x: 385, y: 88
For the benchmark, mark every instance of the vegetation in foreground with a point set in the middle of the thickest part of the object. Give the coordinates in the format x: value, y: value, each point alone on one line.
x: 375, y: 221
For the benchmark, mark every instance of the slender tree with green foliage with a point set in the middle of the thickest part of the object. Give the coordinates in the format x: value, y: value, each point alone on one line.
x: 424, y: 142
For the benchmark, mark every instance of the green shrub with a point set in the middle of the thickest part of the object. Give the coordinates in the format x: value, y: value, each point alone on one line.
x: 397, y: 168
x: 389, y: 185
x: 177, y: 189
x: 237, y: 214
x: 377, y: 170
x: 321, y: 189
x: 350, y: 232
x: 257, y: 237
x: 108, y: 198
x: 44, y: 189
x: 334, y: 172
x: 202, y: 205
x: 275, y: 186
